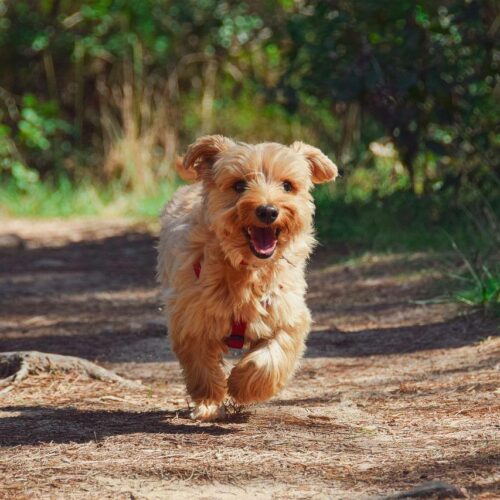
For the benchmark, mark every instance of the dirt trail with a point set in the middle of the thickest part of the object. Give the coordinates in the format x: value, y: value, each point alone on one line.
x: 394, y: 390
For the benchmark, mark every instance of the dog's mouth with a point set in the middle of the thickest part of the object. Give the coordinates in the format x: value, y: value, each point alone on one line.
x: 262, y: 240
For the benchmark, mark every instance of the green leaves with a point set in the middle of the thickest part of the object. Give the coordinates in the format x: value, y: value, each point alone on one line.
x: 483, y: 289
x: 23, y: 176
x: 12, y: 164
x: 419, y: 71
x: 39, y: 123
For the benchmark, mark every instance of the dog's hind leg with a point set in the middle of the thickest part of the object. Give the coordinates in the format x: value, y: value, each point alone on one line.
x: 266, y: 368
x: 205, y: 378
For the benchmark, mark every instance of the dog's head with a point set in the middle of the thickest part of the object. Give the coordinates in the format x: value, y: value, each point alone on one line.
x: 257, y: 197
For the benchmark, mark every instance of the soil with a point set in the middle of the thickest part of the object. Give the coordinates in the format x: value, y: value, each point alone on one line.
x: 396, y: 389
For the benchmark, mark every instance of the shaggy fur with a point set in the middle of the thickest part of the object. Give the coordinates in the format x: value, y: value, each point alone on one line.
x: 243, y: 278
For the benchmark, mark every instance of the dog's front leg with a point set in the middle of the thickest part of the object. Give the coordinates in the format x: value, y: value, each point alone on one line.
x: 205, y: 380
x: 266, y: 368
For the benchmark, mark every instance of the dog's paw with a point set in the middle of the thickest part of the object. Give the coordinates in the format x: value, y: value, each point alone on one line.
x: 208, y: 412
x: 247, y: 384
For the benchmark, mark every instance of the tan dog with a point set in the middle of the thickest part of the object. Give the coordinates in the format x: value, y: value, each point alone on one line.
x: 233, y: 249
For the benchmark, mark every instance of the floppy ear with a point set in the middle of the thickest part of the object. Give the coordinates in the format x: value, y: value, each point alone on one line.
x: 322, y: 168
x: 188, y: 175
x: 202, y: 154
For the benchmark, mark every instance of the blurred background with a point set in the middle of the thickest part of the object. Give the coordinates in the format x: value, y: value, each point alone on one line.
x: 98, y: 96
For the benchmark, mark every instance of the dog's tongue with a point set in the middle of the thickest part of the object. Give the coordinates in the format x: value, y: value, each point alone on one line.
x: 263, y: 239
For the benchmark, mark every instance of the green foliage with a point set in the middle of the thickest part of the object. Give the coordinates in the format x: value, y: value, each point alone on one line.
x: 398, y: 222
x: 483, y: 289
x: 423, y: 73
x: 64, y: 198
x: 480, y: 281
x: 38, y: 128
x: 12, y: 164
x: 39, y: 123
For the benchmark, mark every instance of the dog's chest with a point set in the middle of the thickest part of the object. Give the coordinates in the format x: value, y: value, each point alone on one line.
x: 263, y: 294
x: 268, y: 298
x: 264, y: 304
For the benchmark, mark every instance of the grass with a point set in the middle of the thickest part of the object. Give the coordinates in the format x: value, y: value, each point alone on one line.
x: 66, y: 199
x: 397, y: 223
x: 483, y: 290
x: 480, y: 282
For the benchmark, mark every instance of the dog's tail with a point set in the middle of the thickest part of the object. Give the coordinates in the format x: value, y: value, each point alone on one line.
x: 188, y: 175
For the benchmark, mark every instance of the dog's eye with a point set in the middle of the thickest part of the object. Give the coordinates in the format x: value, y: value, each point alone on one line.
x: 240, y: 186
x: 287, y: 186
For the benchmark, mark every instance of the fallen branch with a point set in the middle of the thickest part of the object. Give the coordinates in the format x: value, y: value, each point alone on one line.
x: 16, y: 366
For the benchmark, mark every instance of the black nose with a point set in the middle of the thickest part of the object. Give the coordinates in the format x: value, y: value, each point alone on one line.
x: 267, y: 213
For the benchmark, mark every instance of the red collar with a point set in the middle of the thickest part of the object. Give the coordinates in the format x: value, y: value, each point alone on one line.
x: 237, y: 337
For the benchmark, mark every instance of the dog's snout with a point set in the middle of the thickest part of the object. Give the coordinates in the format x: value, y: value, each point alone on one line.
x: 267, y: 213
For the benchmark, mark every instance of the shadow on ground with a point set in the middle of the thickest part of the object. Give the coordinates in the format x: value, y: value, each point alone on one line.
x: 150, y: 344
x: 108, y: 265
x: 98, y: 299
x: 454, y: 333
x: 38, y: 424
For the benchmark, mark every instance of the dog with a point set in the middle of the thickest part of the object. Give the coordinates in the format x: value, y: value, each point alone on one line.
x: 231, y: 262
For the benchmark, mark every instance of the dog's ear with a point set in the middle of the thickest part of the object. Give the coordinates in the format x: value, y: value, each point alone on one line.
x: 202, y: 154
x: 188, y: 175
x: 322, y: 168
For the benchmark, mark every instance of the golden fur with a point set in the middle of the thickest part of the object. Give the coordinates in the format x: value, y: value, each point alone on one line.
x: 206, y: 223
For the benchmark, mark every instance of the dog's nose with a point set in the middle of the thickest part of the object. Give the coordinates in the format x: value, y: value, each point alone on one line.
x: 267, y: 213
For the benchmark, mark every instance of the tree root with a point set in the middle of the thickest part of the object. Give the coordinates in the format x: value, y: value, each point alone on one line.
x: 16, y: 366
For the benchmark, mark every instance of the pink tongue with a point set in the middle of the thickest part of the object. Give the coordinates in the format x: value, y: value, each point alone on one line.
x: 263, y: 239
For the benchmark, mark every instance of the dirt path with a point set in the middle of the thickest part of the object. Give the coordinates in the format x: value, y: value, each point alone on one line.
x: 394, y: 391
